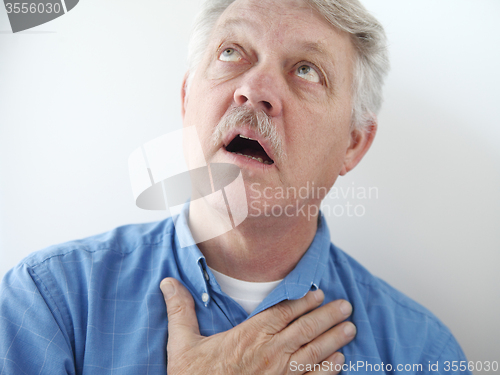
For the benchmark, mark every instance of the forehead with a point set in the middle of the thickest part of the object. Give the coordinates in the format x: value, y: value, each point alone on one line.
x: 267, y: 10
x: 290, y: 24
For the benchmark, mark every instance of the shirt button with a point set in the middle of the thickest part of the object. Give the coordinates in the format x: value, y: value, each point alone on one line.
x: 206, y: 276
x: 204, y: 297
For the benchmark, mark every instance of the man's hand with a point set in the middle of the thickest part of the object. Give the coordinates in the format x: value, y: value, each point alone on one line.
x: 280, y: 340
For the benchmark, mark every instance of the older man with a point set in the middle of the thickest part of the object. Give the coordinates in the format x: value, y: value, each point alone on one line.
x: 287, y: 91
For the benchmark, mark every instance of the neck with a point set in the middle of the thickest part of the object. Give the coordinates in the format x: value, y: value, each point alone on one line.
x: 259, y: 249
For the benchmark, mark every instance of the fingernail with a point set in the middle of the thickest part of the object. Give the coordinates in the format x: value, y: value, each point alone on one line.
x: 319, y: 295
x: 339, y: 359
x: 346, y: 308
x: 168, y: 289
x: 349, y: 329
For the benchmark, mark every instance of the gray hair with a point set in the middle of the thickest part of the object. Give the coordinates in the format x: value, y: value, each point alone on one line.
x: 367, y: 34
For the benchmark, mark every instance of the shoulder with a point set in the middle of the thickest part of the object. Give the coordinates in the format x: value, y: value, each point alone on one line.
x: 68, y: 277
x: 120, y: 241
x: 389, y: 322
x: 372, y: 289
x: 62, y: 299
x: 67, y: 273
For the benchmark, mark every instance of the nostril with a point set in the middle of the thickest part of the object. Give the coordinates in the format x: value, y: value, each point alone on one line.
x: 242, y: 99
x: 267, y: 105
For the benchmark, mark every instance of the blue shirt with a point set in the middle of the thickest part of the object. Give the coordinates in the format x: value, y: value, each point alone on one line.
x: 94, y: 306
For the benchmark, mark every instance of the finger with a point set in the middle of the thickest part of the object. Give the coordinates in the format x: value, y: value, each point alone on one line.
x: 182, y: 320
x: 308, y: 327
x: 332, y: 365
x: 274, y: 319
x: 326, y: 345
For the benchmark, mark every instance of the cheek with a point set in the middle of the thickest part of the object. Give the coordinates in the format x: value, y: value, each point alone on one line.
x: 320, y: 147
x: 221, y: 72
x: 331, y: 155
x: 319, y: 136
x: 214, y: 97
x: 206, y: 105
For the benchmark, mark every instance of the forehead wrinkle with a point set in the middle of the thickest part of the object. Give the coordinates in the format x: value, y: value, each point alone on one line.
x: 231, y: 25
x: 319, y: 47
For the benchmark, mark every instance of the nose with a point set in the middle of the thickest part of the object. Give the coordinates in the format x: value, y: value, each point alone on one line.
x: 261, y: 89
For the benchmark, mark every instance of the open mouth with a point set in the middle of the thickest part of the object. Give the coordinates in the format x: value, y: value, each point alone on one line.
x: 249, y: 148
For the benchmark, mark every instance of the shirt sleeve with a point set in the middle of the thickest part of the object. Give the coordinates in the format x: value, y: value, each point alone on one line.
x: 33, y: 338
x: 451, y: 361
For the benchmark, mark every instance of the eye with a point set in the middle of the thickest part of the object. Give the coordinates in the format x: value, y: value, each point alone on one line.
x: 230, y: 54
x: 308, y: 72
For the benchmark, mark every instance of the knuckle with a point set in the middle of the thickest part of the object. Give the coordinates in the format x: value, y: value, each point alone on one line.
x: 284, y: 312
x: 308, y: 327
x: 177, y: 309
x: 314, y: 352
x: 174, y: 309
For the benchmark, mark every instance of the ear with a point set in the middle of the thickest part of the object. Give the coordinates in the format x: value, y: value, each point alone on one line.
x: 184, y: 96
x: 359, y: 143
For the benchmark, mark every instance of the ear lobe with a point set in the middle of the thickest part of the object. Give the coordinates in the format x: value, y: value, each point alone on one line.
x: 343, y: 170
x: 359, y: 144
x: 184, y: 94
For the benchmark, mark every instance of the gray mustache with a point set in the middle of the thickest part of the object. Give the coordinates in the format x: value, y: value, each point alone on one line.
x: 257, y: 120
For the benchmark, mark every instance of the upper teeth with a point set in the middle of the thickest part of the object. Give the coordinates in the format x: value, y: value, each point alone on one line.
x: 242, y: 136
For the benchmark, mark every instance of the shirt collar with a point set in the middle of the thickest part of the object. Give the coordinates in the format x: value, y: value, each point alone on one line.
x: 304, y: 277
x: 191, y: 262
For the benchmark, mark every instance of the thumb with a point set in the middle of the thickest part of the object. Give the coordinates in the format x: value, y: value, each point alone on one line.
x: 182, y: 320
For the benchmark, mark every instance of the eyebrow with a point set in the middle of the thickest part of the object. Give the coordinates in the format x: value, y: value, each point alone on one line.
x: 318, y: 48
x: 315, y: 47
x: 229, y: 24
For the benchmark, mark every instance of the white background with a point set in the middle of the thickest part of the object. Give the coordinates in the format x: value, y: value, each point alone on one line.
x: 79, y: 94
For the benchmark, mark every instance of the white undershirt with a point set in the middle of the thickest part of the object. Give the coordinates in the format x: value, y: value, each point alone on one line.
x: 248, y: 294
